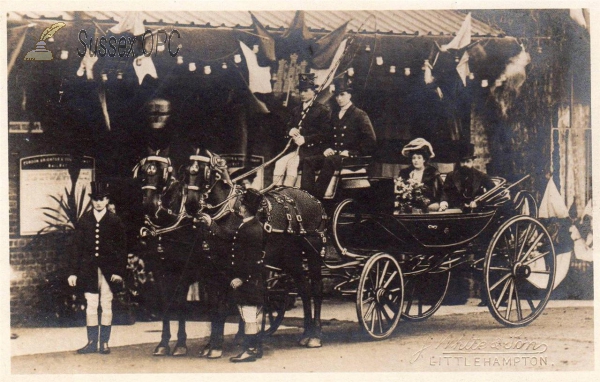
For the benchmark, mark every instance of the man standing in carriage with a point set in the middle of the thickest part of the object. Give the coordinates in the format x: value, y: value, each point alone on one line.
x: 310, y: 127
x: 353, y: 135
x: 465, y: 183
x: 245, y: 269
x: 98, y: 263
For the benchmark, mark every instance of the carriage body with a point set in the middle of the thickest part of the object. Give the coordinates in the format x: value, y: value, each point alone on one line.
x: 403, y: 261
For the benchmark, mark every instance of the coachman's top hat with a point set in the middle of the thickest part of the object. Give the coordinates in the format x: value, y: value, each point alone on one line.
x: 306, y: 81
x: 98, y: 190
x: 252, y: 199
x: 466, y: 151
x: 342, y: 84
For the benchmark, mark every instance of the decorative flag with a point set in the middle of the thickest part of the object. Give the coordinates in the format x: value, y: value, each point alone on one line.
x: 323, y: 75
x: 298, y: 28
x: 267, y: 42
x: 552, y: 204
x: 144, y: 66
x: 327, y: 47
x: 428, y: 75
x: 103, y: 105
x: 87, y: 64
x: 462, y: 38
x: 259, y: 78
x: 132, y: 21
x: 460, y: 41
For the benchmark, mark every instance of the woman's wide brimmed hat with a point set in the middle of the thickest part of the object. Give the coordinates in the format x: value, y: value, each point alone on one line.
x: 417, y: 144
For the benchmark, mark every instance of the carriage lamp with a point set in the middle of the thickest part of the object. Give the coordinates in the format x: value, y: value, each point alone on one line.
x: 379, y: 60
x: 192, y: 66
x: 484, y: 83
x: 207, y: 69
x: 255, y: 48
x: 179, y: 60
x: 237, y: 58
x: 224, y: 65
x: 64, y: 54
x: 350, y: 72
x: 407, y: 72
x: 392, y: 69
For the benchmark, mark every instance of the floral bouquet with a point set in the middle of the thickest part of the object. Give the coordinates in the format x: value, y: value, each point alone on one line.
x: 410, y: 195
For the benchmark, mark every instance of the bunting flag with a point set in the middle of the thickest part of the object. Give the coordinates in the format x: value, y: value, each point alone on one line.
x: 267, y: 42
x: 103, y: 105
x: 461, y: 41
x: 131, y: 22
x: 87, y: 64
x: 259, y: 78
x: 143, y: 66
x: 298, y: 28
x: 462, y: 38
x: 327, y: 47
x: 323, y: 75
x: 552, y: 204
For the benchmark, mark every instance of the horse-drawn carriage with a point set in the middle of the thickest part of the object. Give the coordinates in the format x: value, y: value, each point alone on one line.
x: 396, y: 264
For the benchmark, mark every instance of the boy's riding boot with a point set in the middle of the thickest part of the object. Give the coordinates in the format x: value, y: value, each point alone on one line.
x: 250, y: 350
x: 104, y: 337
x: 92, y: 344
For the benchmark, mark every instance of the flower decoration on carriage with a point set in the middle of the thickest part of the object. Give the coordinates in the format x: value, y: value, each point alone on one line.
x: 409, y: 195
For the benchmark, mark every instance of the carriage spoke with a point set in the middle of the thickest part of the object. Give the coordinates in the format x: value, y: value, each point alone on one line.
x: 369, y: 312
x: 533, y: 259
x: 516, y: 255
x: 532, y: 247
x: 530, y: 302
x: 379, y: 320
x: 519, y: 311
x: 387, y: 283
x: 385, y: 267
x: 500, y: 281
x: 510, y: 300
x: 525, y: 240
x: 500, y: 269
x: 501, y: 297
x: 385, y: 314
x: 391, y: 306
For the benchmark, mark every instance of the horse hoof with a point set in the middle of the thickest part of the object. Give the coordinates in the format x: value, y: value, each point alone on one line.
x: 204, y: 352
x: 314, y: 343
x: 180, y: 351
x: 303, y: 341
x: 214, y: 353
x: 161, y: 351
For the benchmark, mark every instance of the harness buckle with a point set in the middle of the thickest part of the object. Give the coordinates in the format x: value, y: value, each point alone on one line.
x: 267, y: 227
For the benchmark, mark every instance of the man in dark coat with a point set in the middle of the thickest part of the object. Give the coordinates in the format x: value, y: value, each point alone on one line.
x: 245, y: 269
x: 310, y: 127
x: 353, y: 135
x: 99, y: 255
x: 464, y: 183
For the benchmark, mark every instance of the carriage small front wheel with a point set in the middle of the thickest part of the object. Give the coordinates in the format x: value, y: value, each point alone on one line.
x: 380, y: 295
x: 519, y: 271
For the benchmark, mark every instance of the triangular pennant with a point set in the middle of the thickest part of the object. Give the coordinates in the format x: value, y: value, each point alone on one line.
x: 463, y: 68
x: 552, y: 204
x: 298, y: 28
x: 259, y: 78
x: 131, y: 22
x: 327, y: 46
x: 143, y: 66
x: 325, y: 76
x: 267, y: 42
x: 462, y: 38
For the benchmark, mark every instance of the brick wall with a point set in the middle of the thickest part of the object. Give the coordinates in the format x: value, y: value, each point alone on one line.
x: 35, y: 261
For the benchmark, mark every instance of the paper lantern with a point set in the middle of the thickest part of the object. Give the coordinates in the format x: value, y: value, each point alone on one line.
x: 368, y: 48
x: 179, y: 60
x: 104, y: 77
x: 207, y: 69
x: 255, y: 48
x: 350, y: 72
x: 224, y: 66
x: 237, y: 58
x: 392, y: 69
x: 80, y: 72
x: 484, y: 83
x: 379, y: 60
x: 407, y: 71
x: 64, y: 54
x: 192, y: 66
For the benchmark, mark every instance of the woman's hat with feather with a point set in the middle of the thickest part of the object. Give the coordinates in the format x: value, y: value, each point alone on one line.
x: 418, y: 144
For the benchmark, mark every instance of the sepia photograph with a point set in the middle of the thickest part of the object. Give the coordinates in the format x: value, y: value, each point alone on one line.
x: 339, y: 188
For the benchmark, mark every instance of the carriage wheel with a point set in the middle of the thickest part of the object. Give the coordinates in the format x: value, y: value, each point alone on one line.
x: 277, y: 300
x: 423, y: 294
x: 346, y: 225
x: 519, y: 271
x: 380, y: 295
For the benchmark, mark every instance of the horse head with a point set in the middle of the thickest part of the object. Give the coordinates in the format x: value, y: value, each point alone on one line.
x: 156, y: 175
x: 207, y: 184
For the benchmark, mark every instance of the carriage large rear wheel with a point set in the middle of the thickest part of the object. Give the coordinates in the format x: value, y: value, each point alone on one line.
x: 423, y: 294
x: 519, y: 271
x: 380, y: 295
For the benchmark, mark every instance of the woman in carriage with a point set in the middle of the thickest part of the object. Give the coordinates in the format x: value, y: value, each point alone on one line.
x: 421, y: 173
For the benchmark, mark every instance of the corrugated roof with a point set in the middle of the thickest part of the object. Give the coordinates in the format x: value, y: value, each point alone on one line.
x: 422, y: 22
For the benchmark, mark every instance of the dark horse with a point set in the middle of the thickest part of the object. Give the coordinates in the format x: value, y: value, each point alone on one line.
x: 171, y: 243
x: 294, y: 220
